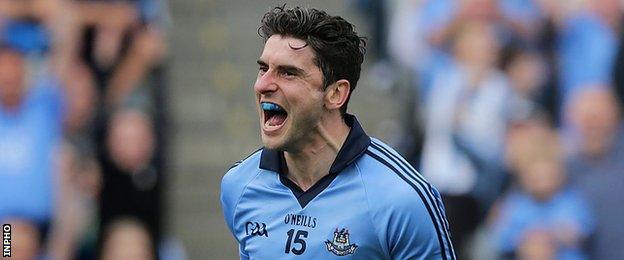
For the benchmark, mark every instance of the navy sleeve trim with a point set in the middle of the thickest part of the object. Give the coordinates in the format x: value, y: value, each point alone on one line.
x: 411, y: 177
x: 241, y: 161
x: 406, y: 167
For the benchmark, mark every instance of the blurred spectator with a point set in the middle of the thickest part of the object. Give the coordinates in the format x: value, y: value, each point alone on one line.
x: 543, y: 218
x: 466, y: 119
x: 130, y: 182
x: 597, y: 168
x: 30, y: 133
x: 127, y: 239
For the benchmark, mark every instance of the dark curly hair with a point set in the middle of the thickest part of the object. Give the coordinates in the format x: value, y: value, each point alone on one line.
x: 339, y: 51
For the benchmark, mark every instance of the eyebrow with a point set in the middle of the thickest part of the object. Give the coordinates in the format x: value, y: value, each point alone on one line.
x: 290, y: 68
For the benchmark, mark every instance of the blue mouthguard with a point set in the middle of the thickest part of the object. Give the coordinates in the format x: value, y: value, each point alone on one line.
x: 269, y: 106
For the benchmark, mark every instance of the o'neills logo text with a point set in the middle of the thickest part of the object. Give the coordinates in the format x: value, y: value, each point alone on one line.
x: 300, y: 220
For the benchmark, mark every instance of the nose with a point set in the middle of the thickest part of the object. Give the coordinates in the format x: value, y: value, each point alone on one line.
x: 265, y: 83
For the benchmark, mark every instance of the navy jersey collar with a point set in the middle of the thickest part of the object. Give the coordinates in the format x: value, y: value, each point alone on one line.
x: 354, y: 146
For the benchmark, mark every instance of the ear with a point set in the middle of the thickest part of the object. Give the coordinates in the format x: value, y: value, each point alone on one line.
x: 336, y: 94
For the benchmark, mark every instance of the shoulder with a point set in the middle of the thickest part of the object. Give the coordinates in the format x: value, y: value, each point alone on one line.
x: 404, y: 201
x: 240, y: 174
x: 235, y: 181
x: 243, y: 169
x: 392, y: 183
x: 383, y: 167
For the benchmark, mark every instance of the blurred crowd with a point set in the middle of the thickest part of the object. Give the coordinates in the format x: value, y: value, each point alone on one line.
x: 517, y: 119
x: 81, y: 126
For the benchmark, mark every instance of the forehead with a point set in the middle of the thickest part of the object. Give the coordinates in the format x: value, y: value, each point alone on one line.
x: 286, y: 50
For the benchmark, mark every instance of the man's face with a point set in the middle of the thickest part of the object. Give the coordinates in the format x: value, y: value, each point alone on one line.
x: 595, y: 113
x: 12, y: 77
x: 289, y: 93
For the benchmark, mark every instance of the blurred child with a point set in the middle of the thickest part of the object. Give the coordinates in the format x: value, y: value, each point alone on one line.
x: 543, y: 218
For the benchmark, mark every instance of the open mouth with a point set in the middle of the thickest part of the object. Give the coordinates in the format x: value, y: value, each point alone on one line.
x: 274, y: 115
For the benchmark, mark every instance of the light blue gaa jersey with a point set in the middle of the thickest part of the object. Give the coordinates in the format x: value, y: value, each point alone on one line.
x: 371, y: 205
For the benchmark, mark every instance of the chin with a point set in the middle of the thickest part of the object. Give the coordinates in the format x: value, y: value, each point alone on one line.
x: 278, y: 140
x: 272, y: 143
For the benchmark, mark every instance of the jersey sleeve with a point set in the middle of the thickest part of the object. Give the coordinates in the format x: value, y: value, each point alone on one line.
x: 406, y: 211
x: 241, y: 254
x: 229, y: 197
x: 233, y: 185
x: 411, y: 224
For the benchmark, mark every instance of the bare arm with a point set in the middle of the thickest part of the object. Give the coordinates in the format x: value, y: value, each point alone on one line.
x: 106, y: 13
x: 148, y: 47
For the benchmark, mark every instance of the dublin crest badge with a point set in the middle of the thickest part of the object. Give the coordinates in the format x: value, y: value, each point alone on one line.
x: 340, y: 245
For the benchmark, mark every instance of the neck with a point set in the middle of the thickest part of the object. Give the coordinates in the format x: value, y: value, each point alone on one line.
x: 308, y: 165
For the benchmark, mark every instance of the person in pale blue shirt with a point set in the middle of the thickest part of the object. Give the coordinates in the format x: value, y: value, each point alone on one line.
x: 34, y: 70
x: 30, y: 131
x: 321, y: 188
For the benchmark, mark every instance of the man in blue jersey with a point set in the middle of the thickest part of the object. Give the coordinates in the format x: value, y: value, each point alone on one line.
x: 320, y: 188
